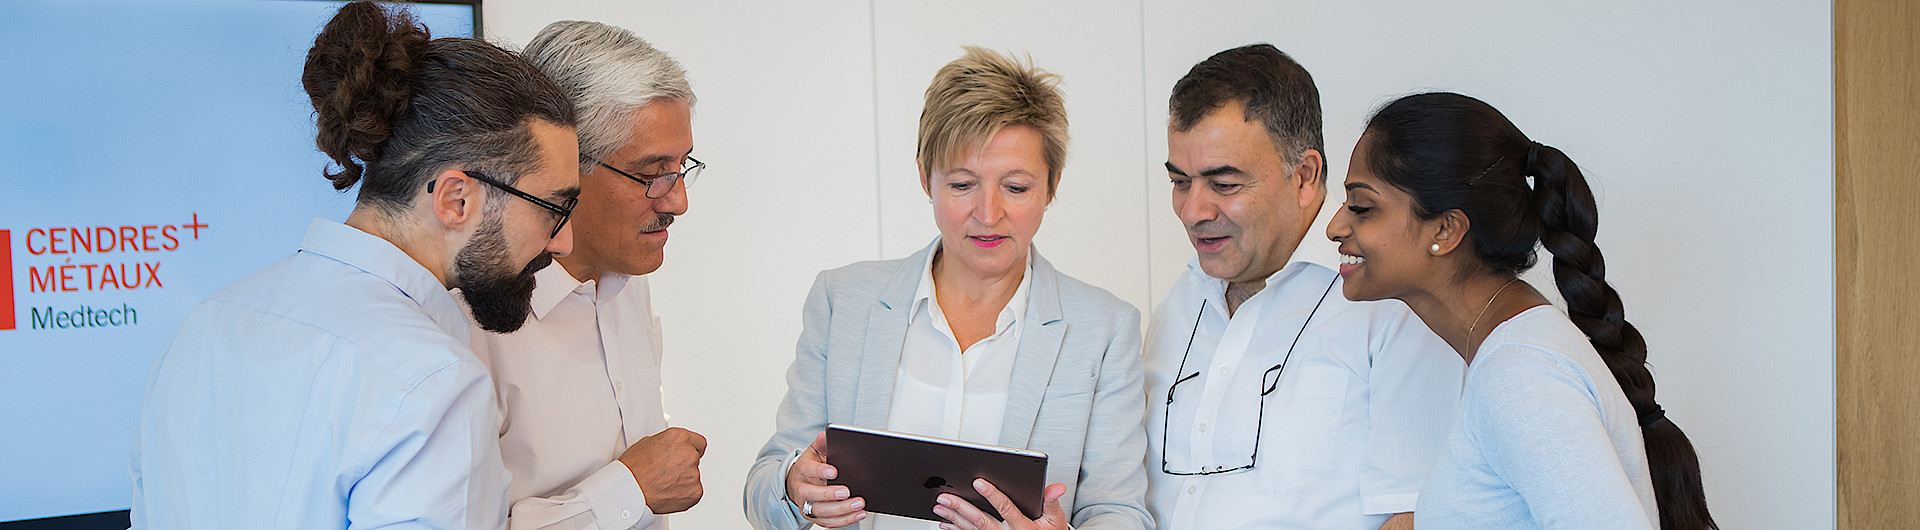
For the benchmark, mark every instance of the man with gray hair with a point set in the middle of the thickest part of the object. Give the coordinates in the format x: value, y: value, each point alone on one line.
x: 1275, y: 403
x: 584, y: 432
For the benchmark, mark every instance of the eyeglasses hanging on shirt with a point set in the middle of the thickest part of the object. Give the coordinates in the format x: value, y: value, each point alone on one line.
x: 1269, y: 381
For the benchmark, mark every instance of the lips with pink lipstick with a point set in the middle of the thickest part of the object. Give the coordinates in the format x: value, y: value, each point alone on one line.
x: 989, y: 241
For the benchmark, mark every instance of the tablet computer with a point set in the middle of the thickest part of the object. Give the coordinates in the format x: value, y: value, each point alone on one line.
x: 904, y: 474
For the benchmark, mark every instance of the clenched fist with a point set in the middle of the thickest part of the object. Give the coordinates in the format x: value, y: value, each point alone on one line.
x: 667, y: 467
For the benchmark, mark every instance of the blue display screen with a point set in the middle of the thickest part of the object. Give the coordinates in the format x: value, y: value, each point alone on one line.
x: 150, y: 154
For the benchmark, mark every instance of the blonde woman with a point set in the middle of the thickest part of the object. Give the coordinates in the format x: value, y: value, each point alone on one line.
x: 976, y: 337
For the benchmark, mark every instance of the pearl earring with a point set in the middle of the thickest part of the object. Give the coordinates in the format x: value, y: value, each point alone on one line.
x: 1436, y: 248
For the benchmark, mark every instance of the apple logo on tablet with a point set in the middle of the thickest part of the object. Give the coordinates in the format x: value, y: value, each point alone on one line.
x: 936, y: 482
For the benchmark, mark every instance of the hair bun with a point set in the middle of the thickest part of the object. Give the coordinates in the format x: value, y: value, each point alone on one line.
x: 358, y: 75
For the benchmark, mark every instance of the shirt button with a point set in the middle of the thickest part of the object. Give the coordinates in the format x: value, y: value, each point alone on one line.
x: 1193, y: 489
x: 618, y: 385
x: 1203, y: 427
x: 1223, y: 369
x: 626, y: 514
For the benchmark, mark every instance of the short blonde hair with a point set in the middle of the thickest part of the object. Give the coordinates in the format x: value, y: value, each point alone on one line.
x: 982, y: 92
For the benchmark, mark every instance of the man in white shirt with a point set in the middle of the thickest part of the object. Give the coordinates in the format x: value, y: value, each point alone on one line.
x: 1276, y: 403
x: 335, y: 388
x: 585, y: 433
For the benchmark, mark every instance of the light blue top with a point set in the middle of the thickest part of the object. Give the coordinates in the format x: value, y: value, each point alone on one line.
x: 1544, y: 438
x: 333, y: 389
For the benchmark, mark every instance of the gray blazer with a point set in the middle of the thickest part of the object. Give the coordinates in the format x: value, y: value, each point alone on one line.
x: 1077, y: 393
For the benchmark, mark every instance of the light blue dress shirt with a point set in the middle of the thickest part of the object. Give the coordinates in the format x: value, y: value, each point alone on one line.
x: 333, y: 389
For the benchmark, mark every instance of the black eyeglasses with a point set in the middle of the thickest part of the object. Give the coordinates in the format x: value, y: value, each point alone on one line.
x: 659, y: 185
x: 564, y: 211
x: 1269, y: 381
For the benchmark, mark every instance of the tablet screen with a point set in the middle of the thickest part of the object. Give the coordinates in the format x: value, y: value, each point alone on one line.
x: 904, y: 474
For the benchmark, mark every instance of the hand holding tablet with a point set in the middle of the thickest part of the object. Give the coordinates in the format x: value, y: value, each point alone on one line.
x: 824, y: 505
x: 962, y: 515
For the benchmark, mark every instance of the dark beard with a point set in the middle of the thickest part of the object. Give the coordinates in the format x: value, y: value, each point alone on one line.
x: 498, y: 299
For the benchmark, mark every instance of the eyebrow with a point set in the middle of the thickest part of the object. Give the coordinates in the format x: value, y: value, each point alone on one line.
x: 565, y: 194
x: 647, y: 161
x: 1221, y: 170
x: 650, y: 160
x: 1360, y: 186
x: 1209, y: 172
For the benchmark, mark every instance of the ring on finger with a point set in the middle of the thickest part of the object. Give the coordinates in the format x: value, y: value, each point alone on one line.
x: 807, y: 508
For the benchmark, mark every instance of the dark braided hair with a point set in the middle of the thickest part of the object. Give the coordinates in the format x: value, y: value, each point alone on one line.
x: 394, y: 106
x: 1453, y: 152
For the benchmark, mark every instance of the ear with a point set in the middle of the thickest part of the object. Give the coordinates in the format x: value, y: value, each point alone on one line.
x: 1310, y: 190
x: 1449, y: 231
x: 456, y: 199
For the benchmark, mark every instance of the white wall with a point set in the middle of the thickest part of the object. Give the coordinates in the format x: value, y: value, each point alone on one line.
x: 1706, y: 126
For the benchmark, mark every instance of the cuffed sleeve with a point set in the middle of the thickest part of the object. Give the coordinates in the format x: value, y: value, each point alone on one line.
x: 609, y: 499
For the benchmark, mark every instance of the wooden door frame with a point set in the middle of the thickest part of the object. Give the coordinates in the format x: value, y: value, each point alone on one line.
x: 1876, y: 76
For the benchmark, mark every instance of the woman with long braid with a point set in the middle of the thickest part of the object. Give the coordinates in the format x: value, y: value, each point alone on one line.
x: 1558, y: 427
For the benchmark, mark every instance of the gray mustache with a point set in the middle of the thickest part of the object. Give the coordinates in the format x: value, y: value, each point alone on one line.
x: 1210, y: 229
x: 660, y: 222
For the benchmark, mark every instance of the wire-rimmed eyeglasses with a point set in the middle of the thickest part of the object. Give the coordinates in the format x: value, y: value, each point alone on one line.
x: 1269, y: 381
x: 659, y: 185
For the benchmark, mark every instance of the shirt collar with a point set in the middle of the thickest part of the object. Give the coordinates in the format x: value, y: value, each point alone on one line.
x: 380, y: 258
x: 1015, y: 310
x: 554, y: 283
x: 1215, y: 288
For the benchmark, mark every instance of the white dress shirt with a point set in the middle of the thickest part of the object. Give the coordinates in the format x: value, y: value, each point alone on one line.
x: 332, y: 389
x: 578, y: 384
x: 1356, y: 419
x: 941, y: 391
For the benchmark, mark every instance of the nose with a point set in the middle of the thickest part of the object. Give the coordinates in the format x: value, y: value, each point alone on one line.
x: 675, y: 201
x: 562, y: 243
x: 989, y: 208
x: 1195, y: 205
x: 1339, y: 228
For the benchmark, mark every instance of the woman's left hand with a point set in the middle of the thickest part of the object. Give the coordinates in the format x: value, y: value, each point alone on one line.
x: 962, y: 515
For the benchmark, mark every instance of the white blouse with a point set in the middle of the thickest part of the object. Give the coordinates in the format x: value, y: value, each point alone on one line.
x: 1545, y: 438
x: 941, y: 390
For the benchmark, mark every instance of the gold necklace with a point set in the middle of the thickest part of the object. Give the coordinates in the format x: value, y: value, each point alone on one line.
x: 1483, y: 312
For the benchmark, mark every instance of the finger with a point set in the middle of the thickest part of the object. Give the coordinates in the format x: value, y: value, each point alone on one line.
x: 819, y: 494
x: 699, y: 442
x: 1050, y: 503
x: 816, y: 473
x: 813, y: 470
x: 835, y: 514
x: 835, y: 509
x: 819, y: 446
x: 951, y: 508
x: 971, y: 515
x: 999, y: 501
